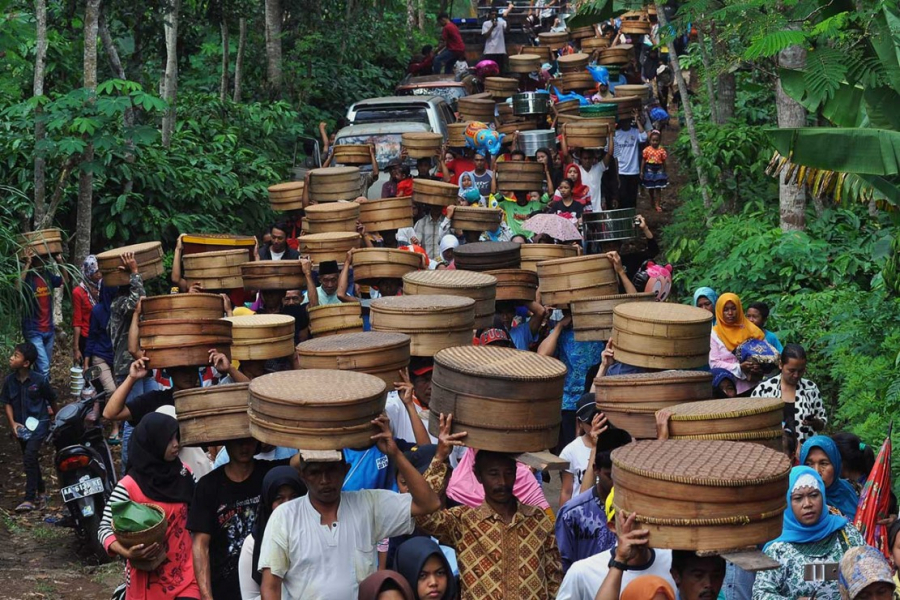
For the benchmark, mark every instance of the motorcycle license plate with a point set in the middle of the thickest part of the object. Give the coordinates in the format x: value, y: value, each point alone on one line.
x: 82, y: 489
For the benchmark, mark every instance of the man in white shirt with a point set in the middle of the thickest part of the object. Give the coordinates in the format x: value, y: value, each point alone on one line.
x: 493, y: 31
x: 430, y: 229
x: 628, y: 154
x: 320, y: 546
x: 592, y: 168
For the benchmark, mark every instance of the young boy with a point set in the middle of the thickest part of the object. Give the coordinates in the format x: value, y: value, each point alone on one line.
x: 578, y: 452
x: 29, y: 402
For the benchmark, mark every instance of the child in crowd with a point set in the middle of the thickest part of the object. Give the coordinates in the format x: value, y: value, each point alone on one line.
x: 578, y: 451
x: 758, y: 314
x: 653, y: 169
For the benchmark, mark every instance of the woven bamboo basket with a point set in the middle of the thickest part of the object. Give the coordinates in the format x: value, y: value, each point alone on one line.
x: 507, y: 400
x: 193, y: 243
x: 433, y: 322
x: 456, y: 134
x: 518, y: 285
x: 578, y: 80
x: 532, y: 254
x: 566, y: 118
x: 182, y: 306
x: 545, y: 53
x: 592, y: 318
x: 588, y: 45
x: 635, y: 22
x: 273, y: 275
x: 372, y: 264
x: 435, y: 193
x: 641, y: 91
x: 590, y: 133
x: 333, y: 216
x: 574, y: 63
x: 501, y: 87
x: 567, y: 106
x: 700, y: 495
x: 377, y: 353
x: 657, y: 335
x: 386, y: 214
x: 331, y: 319
x: 261, y: 337
x: 43, y: 242
x: 184, y: 343
x: 333, y: 245
x: 487, y: 256
x: 566, y: 280
x: 213, y: 415
x: 553, y: 40
x: 331, y: 184
x: 524, y: 63
x: 422, y: 144
x: 520, y: 176
x: 654, y: 390
x: 620, y: 54
x: 514, y: 126
x: 352, y: 154
x: 733, y: 419
x: 625, y: 105
x: 478, y: 109
x: 149, y: 257
x: 480, y: 287
x: 151, y: 535
x: 580, y: 33
x: 316, y: 409
x: 218, y: 270
x: 286, y: 196
x: 505, y: 112
x: 636, y: 419
x: 476, y: 218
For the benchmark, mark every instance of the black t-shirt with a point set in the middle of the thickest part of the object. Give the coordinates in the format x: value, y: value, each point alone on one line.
x: 226, y: 510
x: 147, y: 403
x: 573, y: 212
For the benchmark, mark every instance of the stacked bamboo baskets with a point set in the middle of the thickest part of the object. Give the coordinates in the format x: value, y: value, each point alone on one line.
x: 554, y: 40
x: 524, y: 63
x: 588, y: 133
x: 332, y: 184
x: 352, y: 154
x: 434, y: 193
x: 422, y: 144
x: 149, y: 257
x: 218, y: 270
x: 501, y: 87
x: 184, y: 342
x: 273, y: 275
x: 520, y: 176
x: 261, y: 337
x: 476, y: 218
x: 565, y: 280
x: 480, y: 287
x: 286, y: 196
x: 331, y: 319
x: 377, y: 353
x: 182, y: 306
x: 213, y: 415
x: 487, y: 256
x: 333, y: 217
x: 732, y: 419
x: 516, y: 285
x: 372, y: 264
x: 386, y: 214
x: 592, y: 318
x: 532, y: 254
x: 656, y: 335
x: 43, y: 242
x: 433, y: 322
x: 332, y: 245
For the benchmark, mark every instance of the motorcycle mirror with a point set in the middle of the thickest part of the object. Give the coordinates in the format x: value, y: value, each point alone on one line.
x: 92, y: 373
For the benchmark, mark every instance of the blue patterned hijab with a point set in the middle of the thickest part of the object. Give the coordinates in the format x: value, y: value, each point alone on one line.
x: 795, y: 532
x: 840, y: 494
x: 706, y: 292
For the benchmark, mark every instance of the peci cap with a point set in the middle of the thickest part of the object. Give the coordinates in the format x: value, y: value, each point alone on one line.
x: 328, y: 267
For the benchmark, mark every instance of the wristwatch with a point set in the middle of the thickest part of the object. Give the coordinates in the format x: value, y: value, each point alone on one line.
x: 614, y: 564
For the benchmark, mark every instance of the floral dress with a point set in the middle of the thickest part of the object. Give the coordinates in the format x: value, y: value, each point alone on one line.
x: 807, y: 404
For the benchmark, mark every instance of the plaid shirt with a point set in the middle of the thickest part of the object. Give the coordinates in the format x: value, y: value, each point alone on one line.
x: 497, y: 561
x: 119, y: 322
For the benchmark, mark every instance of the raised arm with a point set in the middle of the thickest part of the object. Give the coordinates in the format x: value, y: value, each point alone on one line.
x: 548, y: 346
x: 424, y: 499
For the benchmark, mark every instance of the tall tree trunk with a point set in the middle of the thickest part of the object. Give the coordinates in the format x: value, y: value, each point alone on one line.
x: 226, y: 50
x: 170, y: 80
x: 422, y: 17
x: 725, y: 82
x: 239, y: 59
x: 410, y: 17
x: 273, y: 47
x: 686, y: 109
x: 85, y: 176
x: 707, y: 75
x: 791, y: 114
x: 40, y: 129
x: 115, y: 64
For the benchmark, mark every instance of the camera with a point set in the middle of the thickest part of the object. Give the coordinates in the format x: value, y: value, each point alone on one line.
x: 637, y: 222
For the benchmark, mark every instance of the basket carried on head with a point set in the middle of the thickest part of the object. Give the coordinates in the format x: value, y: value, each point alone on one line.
x: 154, y: 534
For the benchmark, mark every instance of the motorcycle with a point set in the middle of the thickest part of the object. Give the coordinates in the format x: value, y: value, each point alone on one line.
x: 84, y: 463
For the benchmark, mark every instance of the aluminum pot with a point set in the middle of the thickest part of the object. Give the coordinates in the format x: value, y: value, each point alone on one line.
x: 531, y: 141
x: 531, y: 103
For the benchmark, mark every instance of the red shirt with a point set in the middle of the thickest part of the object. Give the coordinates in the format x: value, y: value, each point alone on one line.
x: 81, y: 310
x: 452, y: 39
x: 43, y: 316
x: 458, y: 166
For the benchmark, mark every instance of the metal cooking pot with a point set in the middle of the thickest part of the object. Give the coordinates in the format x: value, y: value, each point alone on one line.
x: 531, y: 141
x: 531, y: 103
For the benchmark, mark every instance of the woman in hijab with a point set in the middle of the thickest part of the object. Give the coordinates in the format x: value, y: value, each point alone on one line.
x: 705, y: 298
x: 156, y: 476
x: 811, y: 534
x: 731, y: 330
x: 84, y: 297
x: 384, y: 585
x: 423, y: 564
x: 280, y: 485
x: 448, y: 243
x: 821, y: 453
x: 648, y: 587
x: 580, y: 192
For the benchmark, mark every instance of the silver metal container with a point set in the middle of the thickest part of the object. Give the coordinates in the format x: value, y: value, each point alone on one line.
x: 531, y: 103
x: 608, y: 226
x: 531, y: 141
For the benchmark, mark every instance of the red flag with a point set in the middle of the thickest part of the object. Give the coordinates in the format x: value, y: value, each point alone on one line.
x: 875, y: 499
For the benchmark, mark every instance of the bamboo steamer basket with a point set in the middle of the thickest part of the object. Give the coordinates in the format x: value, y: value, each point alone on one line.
x: 590, y: 133
x: 553, y: 40
x: 731, y: 419
x: 377, y: 353
x: 433, y: 322
x: 151, y: 535
x: 638, y: 420
x: 588, y: 45
x: 519, y: 285
x: 273, y: 275
x: 148, y: 255
x: 518, y: 175
x: 286, y: 196
x: 434, y: 193
x: 580, y: 33
x: 592, y: 317
x: 704, y: 496
x: 657, y: 335
x: 532, y: 254
x: 316, y: 409
x: 386, y: 214
x: 544, y: 53
x: 653, y: 390
x: 330, y: 319
x: 567, y: 106
x: 218, y: 270
x: 261, y: 337
x: 422, y: 144
x: 43, y: 242
x: 372, y: 264
x: 487, y: 256
x: 456, y: 134
x: 476, y: 218
x: 193, y: 243
x: 574, y: 63
x: 352, y: 154
x: 480, y: 287
x: 507, y: 400
x: 332, y: 245
x: 617, y: 55
x: 333, y: 216
x: 565, y: 280
x: 635, y: 22
x: 182, y: 306
x: 184, y: 343
x: 501, y: 87
x: 624, y: 90
x: 478, y: 109
x: 625, y: 105
x: 331, y: 184
x: 524, y: 63
x: 213, y: 415
x: 518, y: 125
x: 579, y: 80
x: 566, y: 118
x: 505, y: 113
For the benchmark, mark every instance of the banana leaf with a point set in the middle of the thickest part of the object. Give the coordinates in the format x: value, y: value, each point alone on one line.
x: 590, y: 14
x: 886, y: 42
x: 845, y: 150
x: 846, y: 108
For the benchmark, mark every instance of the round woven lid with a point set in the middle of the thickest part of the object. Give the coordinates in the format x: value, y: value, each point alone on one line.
x: 352, y: 342
x: 600, y: 259
x: 661, y: 312
x: 703, y: 462
x: 426, y: 303
x: 728, y: 408
x: 485, y: 248
x: 328, y: 236
x: 336, y: 307
x: 317, y: 387
x: 212, y: 390
x: 450, y: 278
x: 499, y: 363
x: 136, y: 248
x: 423, y: 135
x: 333, y: 171
x: 332, y: 207
x: 660, y: 377
x: 249, y: 321
x: 213, y: 253
x: 287, y: 187
x: 578, y: 57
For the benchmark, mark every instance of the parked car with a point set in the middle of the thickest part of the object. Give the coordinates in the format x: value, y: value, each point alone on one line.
x: 445, y: 86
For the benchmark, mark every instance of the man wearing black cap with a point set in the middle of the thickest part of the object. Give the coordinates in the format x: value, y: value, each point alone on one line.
x: 326, y: 292
x: 578, y: 451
